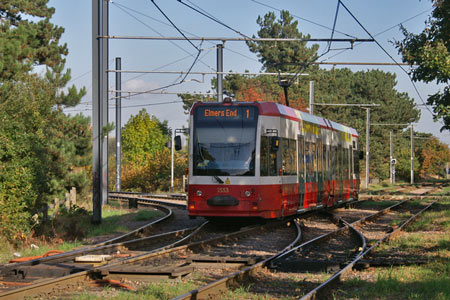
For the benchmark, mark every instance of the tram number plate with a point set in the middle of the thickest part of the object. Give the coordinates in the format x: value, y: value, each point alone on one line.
x: 223, y: 190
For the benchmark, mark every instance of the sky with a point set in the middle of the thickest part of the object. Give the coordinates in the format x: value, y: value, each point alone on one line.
x: 142, y: 18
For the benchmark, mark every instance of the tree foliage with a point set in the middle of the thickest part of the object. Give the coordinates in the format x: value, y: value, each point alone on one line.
x: 428, y: 53
x: 335, y: 86
x: 432, y: 156
x: 283, y: 56
x: 43, y: 152
x: 143, y: 135
x: 147, y: 161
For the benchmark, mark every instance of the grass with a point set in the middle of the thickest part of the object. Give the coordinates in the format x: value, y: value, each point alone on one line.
x: 153, y: 291
x: 444, y: 191
x: 69, y: 230
x: 429, y: 281
x: 376, y: 204
x: 429, y: 239
x: 144, y: 215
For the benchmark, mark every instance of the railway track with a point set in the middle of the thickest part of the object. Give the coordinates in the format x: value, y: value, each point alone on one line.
x: 155, y: 235
x: 206, y: 247
x: 366, y: 228
x: 171, y: 200
x: 336, y: 251
x: 224, y: 258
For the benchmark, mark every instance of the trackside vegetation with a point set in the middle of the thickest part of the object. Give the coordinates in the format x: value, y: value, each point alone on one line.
x: 43, y: 152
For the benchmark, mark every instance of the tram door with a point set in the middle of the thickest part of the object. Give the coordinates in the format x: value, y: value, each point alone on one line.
x: 301, y: 171
x: 352, y: 170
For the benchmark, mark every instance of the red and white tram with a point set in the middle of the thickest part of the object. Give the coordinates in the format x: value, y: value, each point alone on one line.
x: 267, y: 160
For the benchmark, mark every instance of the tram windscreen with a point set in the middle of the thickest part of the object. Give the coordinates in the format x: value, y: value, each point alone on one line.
x: 224, y: 140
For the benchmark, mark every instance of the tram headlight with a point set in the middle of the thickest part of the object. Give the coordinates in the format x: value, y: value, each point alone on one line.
x: 247, y: 193
x: 199, y: 193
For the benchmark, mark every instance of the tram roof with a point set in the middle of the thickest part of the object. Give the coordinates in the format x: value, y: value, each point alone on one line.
x: 277, y: 109
x: 280, y: 110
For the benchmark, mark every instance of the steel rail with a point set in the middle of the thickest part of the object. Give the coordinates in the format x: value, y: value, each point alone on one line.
x: 208, y: 291
x: 46, y: 287
x: 162, y: 196
x: 89, y: 249
x: 313, y: 293
x: 329, y: 234
x: 147, y: 200
x: 169, y: 214
x: 105, y: 249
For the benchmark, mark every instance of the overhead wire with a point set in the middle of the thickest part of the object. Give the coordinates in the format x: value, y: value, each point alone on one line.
x: 384, y: 31
x: 173, y: 24
x: 301, y: 18
x: 306, y: 64
x: 198, y: 48
x: 211, y: 17
x: 390, y: 56
x: 164, y: 23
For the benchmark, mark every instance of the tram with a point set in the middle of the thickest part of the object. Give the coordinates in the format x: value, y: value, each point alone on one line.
x: 267, y: 160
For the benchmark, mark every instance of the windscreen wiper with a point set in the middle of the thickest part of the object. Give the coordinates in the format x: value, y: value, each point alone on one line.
x: 218, y: 179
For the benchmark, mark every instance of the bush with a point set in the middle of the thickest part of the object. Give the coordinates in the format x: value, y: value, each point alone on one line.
x: 154, y: 174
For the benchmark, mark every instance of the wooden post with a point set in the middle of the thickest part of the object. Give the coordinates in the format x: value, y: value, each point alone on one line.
x: 73, y: 196
x: 56, y: 204
x: 67, y: 201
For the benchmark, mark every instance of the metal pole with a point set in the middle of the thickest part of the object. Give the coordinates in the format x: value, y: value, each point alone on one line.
x: 367, y: 146
x: 391, y: 165
x: 412, y: 154
x: 219, y: 76
x: 171, y: 169
x: 100, y: 107
x: 118, y: 124
x: 311, y: 97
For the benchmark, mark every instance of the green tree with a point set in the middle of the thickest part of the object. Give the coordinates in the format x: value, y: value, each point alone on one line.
x: 25, y: 43
x: 283, y: 56
x: 43, y: 152
x: 432, y: 156
x: 146, y: 165
x: 143, y: 134
x: 335, y: 86
x: 428, y: 53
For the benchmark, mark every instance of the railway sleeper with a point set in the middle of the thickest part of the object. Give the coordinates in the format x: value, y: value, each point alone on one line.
x: 148, y: 274
x: 45, y: 271
x: 207, y: 261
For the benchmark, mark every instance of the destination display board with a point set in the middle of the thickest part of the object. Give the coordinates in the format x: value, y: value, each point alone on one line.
x: 244, y: 113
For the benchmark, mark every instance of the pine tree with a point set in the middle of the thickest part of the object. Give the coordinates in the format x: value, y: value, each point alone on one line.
x: 43, y: 152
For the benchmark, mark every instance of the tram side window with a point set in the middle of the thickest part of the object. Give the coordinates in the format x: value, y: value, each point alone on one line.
x: 264, y: 156
x: 346, y: 169
x: 268, y: 158
x: 289, y: 157
x: 319, y: 157
x: 349, y: 163
x: 314, y: 156
x: 333, y: 160
x: 339, y: 162
x: 309, y: 158
x: 356, y: 161
x: 273, y: 164
x: 301, y: 152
